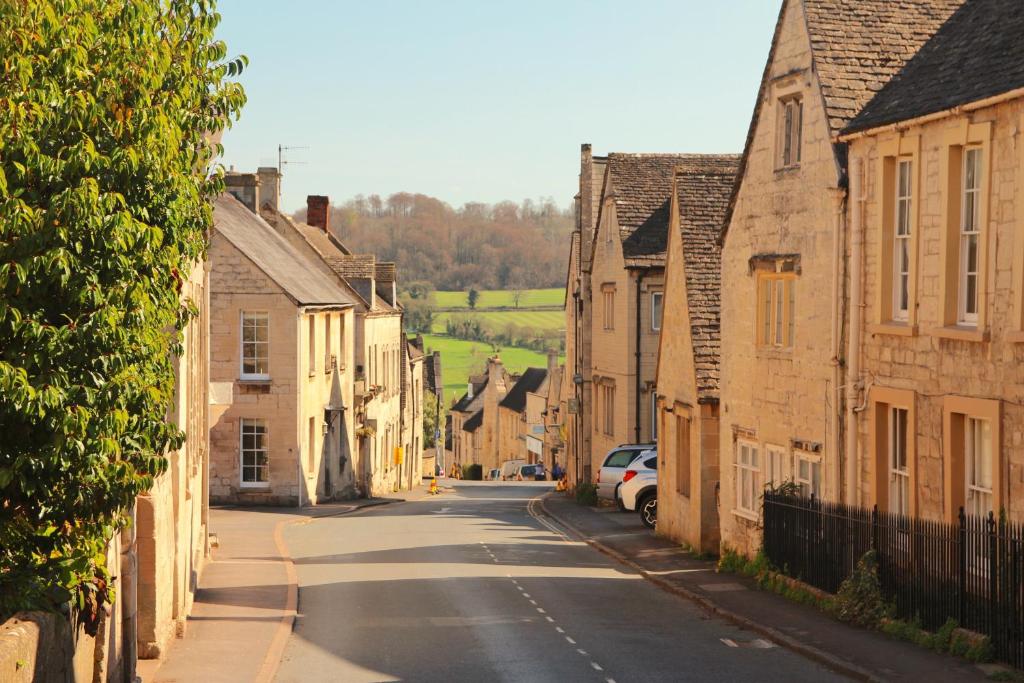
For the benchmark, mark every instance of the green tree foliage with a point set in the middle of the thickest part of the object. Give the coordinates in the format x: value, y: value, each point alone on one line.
x: 107, y: 112
x: 488, y: 246
x: 472, y: 298
x: 433, y: 418
x: 419, y: 315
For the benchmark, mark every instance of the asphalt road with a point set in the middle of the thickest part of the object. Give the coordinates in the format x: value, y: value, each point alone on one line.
x: 475, y: 585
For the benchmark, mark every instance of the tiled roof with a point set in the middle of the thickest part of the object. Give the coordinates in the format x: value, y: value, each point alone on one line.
x: 272, y: 254
x: 703, y: 197
x: 642, y: 187
x: 859, y: 45
x: 530, y: 381
x: 432, y: 379
x: 463, y: 404
x: 978, y: 53
x: 474, y: 422
x: 856, y: 46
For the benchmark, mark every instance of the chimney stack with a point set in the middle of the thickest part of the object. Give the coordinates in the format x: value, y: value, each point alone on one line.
x: 270, y: 187
x: 245, y: 187
x: 318, y: 211
x: 552, y: 362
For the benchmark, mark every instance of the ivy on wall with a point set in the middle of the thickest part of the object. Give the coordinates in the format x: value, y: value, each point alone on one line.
x: 107, y: 113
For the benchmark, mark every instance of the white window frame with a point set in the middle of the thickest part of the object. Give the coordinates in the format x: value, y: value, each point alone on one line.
x: 899, y: 472
x: 254, y: 315
x: 242, y: 451
x: 658, y: 297
x: 902, y: 229
x: 748, y: 477
x: 774, y: 465
x: 806, y: 483
x: 979, y: 497
x: 970, y: 230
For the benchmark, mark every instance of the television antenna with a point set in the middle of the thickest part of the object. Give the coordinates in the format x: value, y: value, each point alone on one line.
x: 281, y: 160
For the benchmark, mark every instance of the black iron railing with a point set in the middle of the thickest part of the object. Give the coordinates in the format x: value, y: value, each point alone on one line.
x: 971, y: 570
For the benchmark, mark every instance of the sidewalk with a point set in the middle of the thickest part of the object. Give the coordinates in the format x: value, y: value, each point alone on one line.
x: 245, y: 604
x: 859, y: 653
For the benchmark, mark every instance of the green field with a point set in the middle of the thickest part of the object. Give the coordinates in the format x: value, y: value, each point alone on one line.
x: 460, y: 358
x: 501, y: 298
x: 497, y: 320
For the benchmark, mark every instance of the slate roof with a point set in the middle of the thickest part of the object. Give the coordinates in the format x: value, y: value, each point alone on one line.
x: 641, y: 185
x: 978, y: 53
x: 859, y: 46
x: 702, y: 195
x: 462, y: 405
x: 856, y: 47
x: 529, y: 382
x: 474, y: 422
x: 272, y: 254
x: 432, y: 379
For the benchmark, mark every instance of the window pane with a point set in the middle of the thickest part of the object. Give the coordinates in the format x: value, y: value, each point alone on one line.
x: 779, y: 302
x: 766, y: 293
x: 791, y: 288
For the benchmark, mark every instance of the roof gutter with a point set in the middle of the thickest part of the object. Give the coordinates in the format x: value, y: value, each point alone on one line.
x: 935, y: 116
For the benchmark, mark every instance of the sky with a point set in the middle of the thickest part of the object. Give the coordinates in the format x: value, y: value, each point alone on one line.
x: 475, y: 100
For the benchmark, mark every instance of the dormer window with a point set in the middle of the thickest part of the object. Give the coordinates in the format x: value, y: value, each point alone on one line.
x: 791, y: 115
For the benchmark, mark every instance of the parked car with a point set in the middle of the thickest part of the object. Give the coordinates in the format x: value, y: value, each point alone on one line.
x: 494, y: 475
x: 639, y: 488
x: 609, y: 475
x: 525, y: 473
x: 509, y: 468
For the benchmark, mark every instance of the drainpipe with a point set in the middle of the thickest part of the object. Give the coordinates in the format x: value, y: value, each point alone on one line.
x: 639, y: 323
x: 853, y: 380
x: 835, y: 417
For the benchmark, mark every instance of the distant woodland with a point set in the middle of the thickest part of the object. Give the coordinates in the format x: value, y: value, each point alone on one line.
x: 481, y: 246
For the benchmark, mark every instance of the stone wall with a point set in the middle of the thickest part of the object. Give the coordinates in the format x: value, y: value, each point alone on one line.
x: 775, y: 396
x: 919, y: 356
x: 614, y: 351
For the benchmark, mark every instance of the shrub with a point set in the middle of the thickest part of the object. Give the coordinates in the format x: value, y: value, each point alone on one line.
x: 105, y: 130
x: 586, y: 493
x: 859, y: 599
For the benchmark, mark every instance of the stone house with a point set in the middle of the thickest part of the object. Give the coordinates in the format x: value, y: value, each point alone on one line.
x: 688, y: 356
x: 936, y: 221
x: 627, y: 269
x: 410, y: 469
x: 379, y: 340
x: 171, y: 519
x: 281, y: 361
x: 554, y: 414
x: 520, y: 429
x: 782, y: 385
x: 576, y: 381
x: 464, y: 450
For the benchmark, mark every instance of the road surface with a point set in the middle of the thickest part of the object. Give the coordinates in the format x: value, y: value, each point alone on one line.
x: 477, y: 585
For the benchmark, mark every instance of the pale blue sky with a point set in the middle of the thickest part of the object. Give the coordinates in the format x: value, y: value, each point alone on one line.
x: 473, y: 100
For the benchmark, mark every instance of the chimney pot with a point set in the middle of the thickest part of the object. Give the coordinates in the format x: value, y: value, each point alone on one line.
x: 318, y: 211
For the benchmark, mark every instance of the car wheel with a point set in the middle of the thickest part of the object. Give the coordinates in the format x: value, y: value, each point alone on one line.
x: 618, y: 501
x: 649, y: 510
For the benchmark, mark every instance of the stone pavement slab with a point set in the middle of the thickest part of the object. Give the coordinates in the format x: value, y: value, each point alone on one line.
x: 863, y: 654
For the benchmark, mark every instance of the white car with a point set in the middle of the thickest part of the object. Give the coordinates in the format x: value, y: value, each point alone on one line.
x: 639, y: 489
x: 609, y: 475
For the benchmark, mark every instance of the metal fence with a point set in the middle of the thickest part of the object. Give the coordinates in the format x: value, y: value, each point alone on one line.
x: 971, y: 570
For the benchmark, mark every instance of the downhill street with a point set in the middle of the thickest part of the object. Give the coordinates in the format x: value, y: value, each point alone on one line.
x: 477, y: 584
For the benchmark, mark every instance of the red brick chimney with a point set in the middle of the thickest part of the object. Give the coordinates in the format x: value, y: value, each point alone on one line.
x: 318, y: 211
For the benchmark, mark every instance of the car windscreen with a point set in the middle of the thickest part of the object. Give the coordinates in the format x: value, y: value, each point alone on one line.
x: 620, y: 458
x: 528, y: 471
